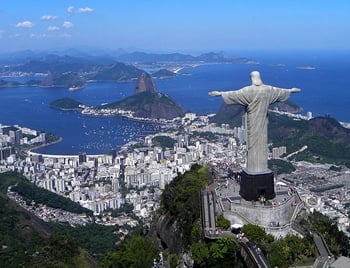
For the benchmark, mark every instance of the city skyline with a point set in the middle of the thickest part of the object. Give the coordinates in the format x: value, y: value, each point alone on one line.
x: 191, y: 26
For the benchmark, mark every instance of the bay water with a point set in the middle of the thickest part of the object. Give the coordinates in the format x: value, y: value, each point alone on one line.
x: 322, y: 77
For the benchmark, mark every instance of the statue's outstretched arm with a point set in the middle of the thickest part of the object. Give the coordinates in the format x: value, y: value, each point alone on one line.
x: 214, y: 93
x: 294, y: 90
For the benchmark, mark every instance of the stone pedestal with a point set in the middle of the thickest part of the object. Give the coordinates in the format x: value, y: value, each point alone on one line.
x: 252, y: 186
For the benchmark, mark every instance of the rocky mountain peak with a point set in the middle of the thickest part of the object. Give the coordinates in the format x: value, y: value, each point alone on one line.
x: 145, y: 84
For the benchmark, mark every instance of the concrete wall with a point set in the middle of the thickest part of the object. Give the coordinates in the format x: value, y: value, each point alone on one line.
x: 265, y: 215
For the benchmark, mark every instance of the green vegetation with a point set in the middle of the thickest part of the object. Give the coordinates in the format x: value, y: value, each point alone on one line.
x: 163, y: 141
x: 26, y: 241
x: 222, y: 222
x: 258, y: 235
x: 181, y: 199
x: 49, y: 137
x: 125, y: 208
x: 96, y: 239
x: 223, y: 252
x: 210, y: 136
x: 229, y: 114
x: 279, y: 166
x: 327, y: 141
x: 135, y: 252
x: 338, y: 243
x: 39, y: 195
x: 286, y: 252
x: 65, y: 104
x: 291, y: 251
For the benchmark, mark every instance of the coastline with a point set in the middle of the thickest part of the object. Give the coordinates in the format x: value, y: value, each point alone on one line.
x: 31, y: 150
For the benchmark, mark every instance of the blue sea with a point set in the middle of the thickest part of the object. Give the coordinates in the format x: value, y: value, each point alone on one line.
x: 322, y: 77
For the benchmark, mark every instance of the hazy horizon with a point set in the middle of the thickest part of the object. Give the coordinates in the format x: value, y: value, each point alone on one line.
x: 179, y: 26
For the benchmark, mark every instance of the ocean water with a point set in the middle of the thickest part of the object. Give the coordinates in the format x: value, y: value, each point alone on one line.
x: 324, y: 91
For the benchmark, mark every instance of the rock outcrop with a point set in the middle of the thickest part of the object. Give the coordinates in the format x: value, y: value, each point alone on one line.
x: 166, y: 233
x: 145, y: 84
x: 148, y: 103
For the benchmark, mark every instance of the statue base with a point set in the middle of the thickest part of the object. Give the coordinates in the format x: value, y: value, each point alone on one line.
x: 254, y: 186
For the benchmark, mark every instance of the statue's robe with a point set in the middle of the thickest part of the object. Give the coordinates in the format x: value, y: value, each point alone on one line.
x: 256, y: 100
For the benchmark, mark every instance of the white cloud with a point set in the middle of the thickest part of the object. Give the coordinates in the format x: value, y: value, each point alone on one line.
x: 25, y: 24
x: 38, y: 36
x: 1, y: 33
x: 53, y: 28
x: 70, y: 9
x: 48, y: 17
x: 85, y: 10
x: 67, y: 24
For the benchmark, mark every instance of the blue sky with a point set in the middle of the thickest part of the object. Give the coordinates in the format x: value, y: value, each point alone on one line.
x: 168, y: 26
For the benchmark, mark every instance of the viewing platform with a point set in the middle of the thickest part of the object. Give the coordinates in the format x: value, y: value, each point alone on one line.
x: 276, y: 216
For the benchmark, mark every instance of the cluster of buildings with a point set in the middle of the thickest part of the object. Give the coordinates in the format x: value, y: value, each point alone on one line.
x: 324, y: 188
x: 138, y: 174
x: 89, y: 110
x: 15, y: 136
x: 99, y: 182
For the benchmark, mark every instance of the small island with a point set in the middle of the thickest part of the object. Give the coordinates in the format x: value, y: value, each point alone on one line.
x: 66, y: 104
x: 163, y: 73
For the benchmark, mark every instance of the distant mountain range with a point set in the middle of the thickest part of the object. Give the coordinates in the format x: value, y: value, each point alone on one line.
x: 110, y: 57
x: 211, y: 57
x: 118, y: 67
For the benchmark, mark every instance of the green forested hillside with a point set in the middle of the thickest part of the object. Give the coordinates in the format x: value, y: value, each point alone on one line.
x: 181, y: 200
x: 326, y: 140
x: 26, y: 241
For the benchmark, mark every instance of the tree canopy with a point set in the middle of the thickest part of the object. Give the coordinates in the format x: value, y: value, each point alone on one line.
x: 181, y: 199
x: 135, y: 252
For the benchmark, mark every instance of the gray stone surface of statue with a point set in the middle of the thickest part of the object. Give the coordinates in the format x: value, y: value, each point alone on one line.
x: 256, y: 99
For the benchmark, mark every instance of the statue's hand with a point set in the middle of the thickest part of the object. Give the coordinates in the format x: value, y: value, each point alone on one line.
x: 295, y: 90
x: 214, y: 93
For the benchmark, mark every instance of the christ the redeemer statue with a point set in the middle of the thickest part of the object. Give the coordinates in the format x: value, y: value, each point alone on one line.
x: 256, y: 99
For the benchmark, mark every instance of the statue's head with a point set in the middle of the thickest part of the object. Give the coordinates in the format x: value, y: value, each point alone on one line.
x: 256, y: 80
